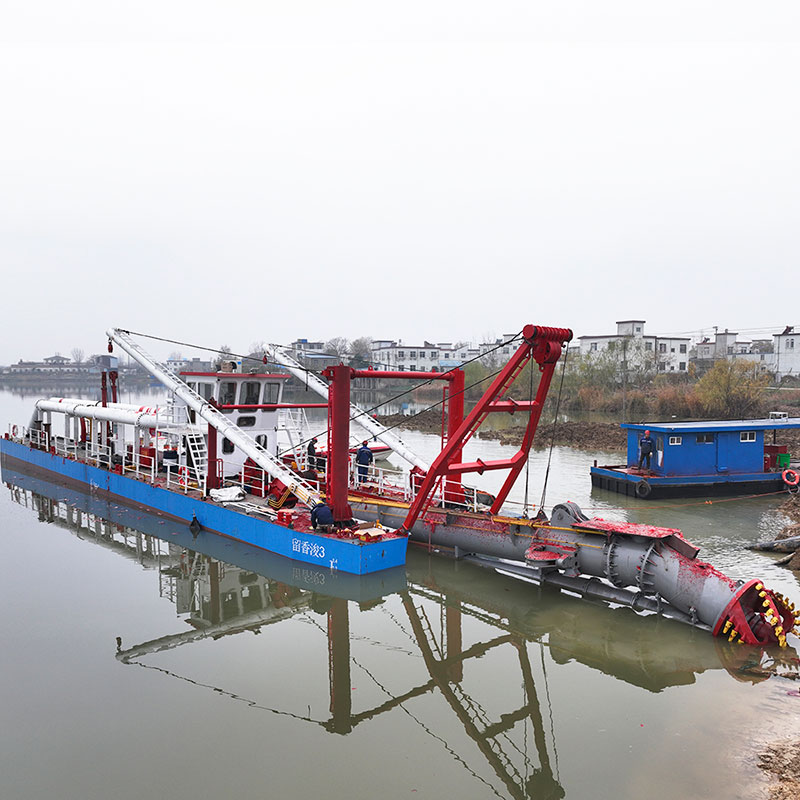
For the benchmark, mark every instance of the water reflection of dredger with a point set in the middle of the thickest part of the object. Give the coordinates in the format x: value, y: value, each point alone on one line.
x: 223, y: 599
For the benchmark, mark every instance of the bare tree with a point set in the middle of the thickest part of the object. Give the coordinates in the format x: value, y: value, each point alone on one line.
x: 338, y: 346
x: 174, y: 356
x: 77, y: 355
x: 361, y: 351
x: 224, y: 355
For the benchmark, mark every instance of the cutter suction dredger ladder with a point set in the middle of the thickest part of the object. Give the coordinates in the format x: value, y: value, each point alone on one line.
x: 303, y: 490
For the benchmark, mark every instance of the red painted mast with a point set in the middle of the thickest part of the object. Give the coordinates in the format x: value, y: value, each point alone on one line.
x: 336, y: 476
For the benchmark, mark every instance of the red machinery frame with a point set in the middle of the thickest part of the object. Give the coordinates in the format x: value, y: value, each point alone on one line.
x: 339, y: 420
x: 540, y: 344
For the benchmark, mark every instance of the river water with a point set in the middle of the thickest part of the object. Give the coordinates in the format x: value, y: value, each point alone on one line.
x: 133, y: 667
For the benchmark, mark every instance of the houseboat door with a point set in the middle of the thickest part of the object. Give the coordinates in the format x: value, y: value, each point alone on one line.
x: 723, y: 452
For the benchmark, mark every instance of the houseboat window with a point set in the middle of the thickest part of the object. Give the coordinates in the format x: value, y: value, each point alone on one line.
x: 246, y: 422
x: 250, y: 393
x: 271, y: 392
x: 675, y: 440
x: 747, y: 436
x: 705, y: 438
x: 227, y: 447
x: 227, y: 393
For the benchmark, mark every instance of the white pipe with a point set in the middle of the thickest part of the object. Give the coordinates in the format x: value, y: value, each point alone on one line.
x: 357, y: 414
x: 233, y: 433
x: 111, y: 413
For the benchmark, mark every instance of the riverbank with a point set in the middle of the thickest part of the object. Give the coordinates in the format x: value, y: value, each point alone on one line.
x: 606, y: 436
x: 781, y: 761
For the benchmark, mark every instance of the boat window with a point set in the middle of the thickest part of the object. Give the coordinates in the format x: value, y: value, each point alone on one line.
x: 747, y: 436
x: 251, y: 390
x: 675, y: 440
x: 705, y: 438
x: 227, y: 447
x: 246, y: 422
x: 206, y: 390
x: 227, y: 393
x: 271, y: 392
x: 261, y: 440
x: 192, y: 386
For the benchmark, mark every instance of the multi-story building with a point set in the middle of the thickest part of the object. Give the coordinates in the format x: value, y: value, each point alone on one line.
x: 630, y: 345
x: 427, y: 357
x: 727, y: 345
x: 786, y: 353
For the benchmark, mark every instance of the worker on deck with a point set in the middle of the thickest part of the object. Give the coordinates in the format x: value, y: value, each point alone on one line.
x: 646, y: 447
x: 322, y: 517
x: 170, y: 459
x: 364, y: 458
x: 312, y: 454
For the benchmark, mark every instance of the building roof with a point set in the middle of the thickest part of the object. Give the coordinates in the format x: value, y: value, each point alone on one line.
x: 624, y: 321
x: 714, y: 425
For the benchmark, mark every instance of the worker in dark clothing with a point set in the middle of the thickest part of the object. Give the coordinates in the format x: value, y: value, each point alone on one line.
x: 312, y: 454
x: 364, y: 458
x: 321, y: 517
x: 170, y: 459
x: 646, y: 448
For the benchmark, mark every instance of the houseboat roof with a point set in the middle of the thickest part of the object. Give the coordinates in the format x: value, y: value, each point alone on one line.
x: 716, y: 425
x: 237, y: 375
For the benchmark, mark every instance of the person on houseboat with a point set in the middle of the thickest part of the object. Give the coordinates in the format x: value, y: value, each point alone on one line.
x: 646, y: 448
x: 322, y: 517
x: 364, y: 458
x: 312, y: 454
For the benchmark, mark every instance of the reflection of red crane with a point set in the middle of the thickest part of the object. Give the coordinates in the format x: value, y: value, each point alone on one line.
x: 444, y: 661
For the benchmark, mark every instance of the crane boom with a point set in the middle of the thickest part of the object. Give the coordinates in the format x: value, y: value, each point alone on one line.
x: 303, y: 490
x: 357, y: 414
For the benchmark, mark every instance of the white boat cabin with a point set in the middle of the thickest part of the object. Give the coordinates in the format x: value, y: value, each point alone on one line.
x: 240, y: 390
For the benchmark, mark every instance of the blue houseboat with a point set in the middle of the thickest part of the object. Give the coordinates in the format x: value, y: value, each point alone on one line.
x: 701, y: 458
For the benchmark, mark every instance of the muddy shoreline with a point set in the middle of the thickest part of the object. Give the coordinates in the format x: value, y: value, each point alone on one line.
x: 606, y: 436
x: 781, y: 761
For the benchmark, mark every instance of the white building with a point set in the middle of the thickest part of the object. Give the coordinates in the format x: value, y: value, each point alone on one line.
x: 629, y: 343
x: 427, y: 357
x: 786, y: 353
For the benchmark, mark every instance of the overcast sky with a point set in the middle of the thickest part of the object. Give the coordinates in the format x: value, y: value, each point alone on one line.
x: 236, y: 171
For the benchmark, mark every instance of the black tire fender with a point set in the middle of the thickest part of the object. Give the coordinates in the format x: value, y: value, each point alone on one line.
x: 643, y: 489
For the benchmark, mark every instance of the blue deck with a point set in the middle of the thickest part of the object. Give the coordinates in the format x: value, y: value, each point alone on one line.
x: 328, y: 552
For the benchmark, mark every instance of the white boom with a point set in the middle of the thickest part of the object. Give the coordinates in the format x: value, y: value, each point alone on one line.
x: 233, y: 433
x: 357, y: 414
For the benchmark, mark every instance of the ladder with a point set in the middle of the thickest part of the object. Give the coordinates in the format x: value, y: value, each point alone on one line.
x: 197, y: 457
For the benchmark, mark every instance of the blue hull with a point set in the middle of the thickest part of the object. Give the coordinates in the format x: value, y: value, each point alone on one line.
x: 685, y: 486
x: 352, y: 556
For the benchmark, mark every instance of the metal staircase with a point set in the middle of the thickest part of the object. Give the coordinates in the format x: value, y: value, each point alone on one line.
x: 197, y: 458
